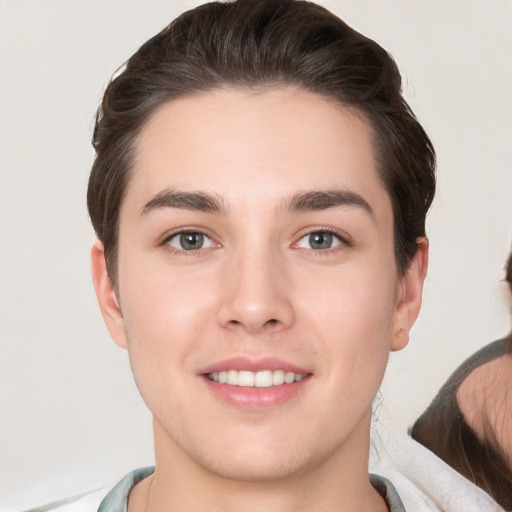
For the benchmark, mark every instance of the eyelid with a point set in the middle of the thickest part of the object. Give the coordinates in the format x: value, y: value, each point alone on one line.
x: 164, y: 241
x: 343, y: 237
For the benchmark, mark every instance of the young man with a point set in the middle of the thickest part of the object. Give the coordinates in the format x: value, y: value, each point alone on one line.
x: 259, y: 195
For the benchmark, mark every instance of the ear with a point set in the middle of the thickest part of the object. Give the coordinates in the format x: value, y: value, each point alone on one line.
x: 409, y: 299
x: 106, y: 295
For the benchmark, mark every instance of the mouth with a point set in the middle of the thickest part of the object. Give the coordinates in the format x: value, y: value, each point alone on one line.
x: 256, y: 384
x: 259, y: 379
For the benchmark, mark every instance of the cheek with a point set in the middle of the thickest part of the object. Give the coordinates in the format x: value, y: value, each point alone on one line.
x: 358, y: 298
x: 162, y: 316
x: 353, y: 312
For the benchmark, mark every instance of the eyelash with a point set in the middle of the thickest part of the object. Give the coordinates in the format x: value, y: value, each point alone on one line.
x: 343, y: 239
x: 184, y: 231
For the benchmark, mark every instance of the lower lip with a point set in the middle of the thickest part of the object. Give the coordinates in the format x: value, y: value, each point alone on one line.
x: 256, y: 399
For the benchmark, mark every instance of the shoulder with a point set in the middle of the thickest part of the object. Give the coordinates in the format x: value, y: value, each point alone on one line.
x: 117, y: 498
x: 87, y: 502
x: 106, y: 499
x: 387, y: 490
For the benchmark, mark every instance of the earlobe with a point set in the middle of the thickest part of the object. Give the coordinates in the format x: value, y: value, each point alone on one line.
x: 410, y: 293
x: 106, y: 295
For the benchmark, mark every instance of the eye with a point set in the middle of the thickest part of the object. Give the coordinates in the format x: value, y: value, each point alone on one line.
x: 190, y: 241
x: 319, y: 241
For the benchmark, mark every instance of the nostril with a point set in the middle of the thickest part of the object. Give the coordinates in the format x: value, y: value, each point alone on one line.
x: 272, y: 321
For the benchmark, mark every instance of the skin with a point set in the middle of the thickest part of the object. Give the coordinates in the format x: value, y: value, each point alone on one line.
x: 258, y: 289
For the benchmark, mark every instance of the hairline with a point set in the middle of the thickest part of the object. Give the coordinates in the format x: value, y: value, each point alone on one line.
x: 351, y: 109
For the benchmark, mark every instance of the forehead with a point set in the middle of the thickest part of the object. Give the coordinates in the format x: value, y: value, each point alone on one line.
x: 245, y: 145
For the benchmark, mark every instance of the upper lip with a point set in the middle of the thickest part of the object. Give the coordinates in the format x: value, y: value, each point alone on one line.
x: 252, y: 364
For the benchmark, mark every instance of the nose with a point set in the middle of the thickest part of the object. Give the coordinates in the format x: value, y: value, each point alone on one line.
x: 256, y: 295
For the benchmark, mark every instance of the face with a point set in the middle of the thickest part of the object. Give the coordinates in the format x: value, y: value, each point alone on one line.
x: 258, y: 294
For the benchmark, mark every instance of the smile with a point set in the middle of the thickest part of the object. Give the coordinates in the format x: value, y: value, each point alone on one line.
x: 260, y: 379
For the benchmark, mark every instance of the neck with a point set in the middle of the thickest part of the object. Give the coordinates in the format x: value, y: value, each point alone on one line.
x: 340, y: 483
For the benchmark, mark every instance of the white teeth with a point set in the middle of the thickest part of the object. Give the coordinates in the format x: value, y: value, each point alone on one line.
x: 261, y: 379
x: 245, y: 379
x: 278, y: 378
x: 232, y: 377
x: 289, y: 377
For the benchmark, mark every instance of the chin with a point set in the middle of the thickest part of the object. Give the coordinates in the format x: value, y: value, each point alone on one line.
x: 259, y: 467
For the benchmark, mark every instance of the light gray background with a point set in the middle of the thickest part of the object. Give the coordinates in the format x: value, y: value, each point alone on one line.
x: 70, y: 416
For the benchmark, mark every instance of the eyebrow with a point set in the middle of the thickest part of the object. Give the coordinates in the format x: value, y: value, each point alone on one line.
x: 200, y: 201
x: 315, y: 200
x: 318, y: 200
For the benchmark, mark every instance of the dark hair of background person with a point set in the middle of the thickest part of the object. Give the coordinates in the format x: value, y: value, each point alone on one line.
x: 443, y: 429
x: 254, y: 44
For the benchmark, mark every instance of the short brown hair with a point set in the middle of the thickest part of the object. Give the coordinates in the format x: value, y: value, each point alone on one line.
x: 254, y: 43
